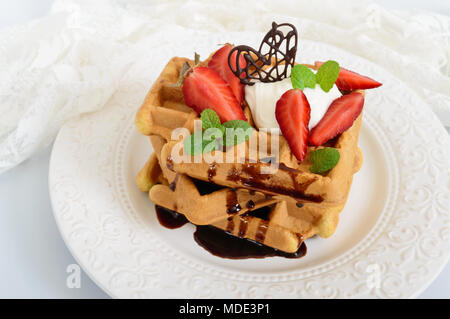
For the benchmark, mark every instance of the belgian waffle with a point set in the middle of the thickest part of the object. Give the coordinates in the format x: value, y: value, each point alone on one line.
x: 302, y: 204
x: 238, y: 218
x: 284, y: 225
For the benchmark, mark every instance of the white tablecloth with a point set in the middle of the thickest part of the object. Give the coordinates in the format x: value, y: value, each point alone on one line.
x: 72, y: 61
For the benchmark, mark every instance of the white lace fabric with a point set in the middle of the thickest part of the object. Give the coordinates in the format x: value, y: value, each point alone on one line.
x: 72, y: 61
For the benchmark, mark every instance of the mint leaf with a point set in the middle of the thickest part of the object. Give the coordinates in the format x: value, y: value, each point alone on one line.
x: 198, y: 143
x: 210, y: 119
x: 234, y: 136
x: 327, y: 75
x: 236, y: 132
x: 209, y: 146
x: 213, y: 133
x: 237, y: 124
x: 194, y: 144
x: 302, y: 76
x: 323, y: 159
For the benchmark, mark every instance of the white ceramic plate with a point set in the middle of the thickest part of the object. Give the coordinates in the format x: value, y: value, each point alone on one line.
x: 392, y: 240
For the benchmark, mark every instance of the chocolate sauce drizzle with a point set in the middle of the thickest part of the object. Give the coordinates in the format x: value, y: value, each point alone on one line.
x: 222, y: 243
x: 230, y: 225
x: 233, y: 206
x: 250, y: 176
x: 169, y: 163
x: 225, y: 245
x: 173, y: 185
x: 169, y: 218
x: 271, y: 62
x: 205, y: 188
x: 212, y: 171
x: 260, y: 235
x: 243, y: 225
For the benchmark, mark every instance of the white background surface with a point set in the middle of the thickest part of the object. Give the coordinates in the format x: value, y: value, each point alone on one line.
x: 33, y: 257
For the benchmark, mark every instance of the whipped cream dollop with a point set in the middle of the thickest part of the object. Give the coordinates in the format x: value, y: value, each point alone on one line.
x: 262, y: 99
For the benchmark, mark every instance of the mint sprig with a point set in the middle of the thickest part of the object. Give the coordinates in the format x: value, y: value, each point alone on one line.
x: 236, y: 132
x: 303, y: 77
x: 216, y: 134
x: 194, y: 144
x: 323, y: 160
x: 210, y: 119
x: 327, y: 75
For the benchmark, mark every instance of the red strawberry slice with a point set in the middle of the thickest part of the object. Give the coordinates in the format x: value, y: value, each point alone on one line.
x: 219, y: 63
x: 205, y: 89
x: 350, y: 81
x: 339, y: 117
x: 293, y: 113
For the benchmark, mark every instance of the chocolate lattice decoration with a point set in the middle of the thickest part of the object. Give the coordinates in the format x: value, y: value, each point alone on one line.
x: 271, y: 62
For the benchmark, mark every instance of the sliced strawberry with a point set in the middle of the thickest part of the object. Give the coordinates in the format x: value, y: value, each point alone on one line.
x: 219, y: 63
x: 351, y: 81
x: 293, y: 113
x: 205, y: 89
x: 339, y: 117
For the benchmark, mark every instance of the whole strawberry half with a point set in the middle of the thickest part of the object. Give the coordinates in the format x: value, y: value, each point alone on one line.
x: 219, y: 63
x: 339, y: 117
x: 351, y: 81
x: 293, y: 113
x: 203, y: 89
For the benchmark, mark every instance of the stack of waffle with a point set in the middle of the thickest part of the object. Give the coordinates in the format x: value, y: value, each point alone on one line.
x: 279, y: 210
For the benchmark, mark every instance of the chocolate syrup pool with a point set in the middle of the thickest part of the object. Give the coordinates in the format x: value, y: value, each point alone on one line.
x: 221, y: 243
